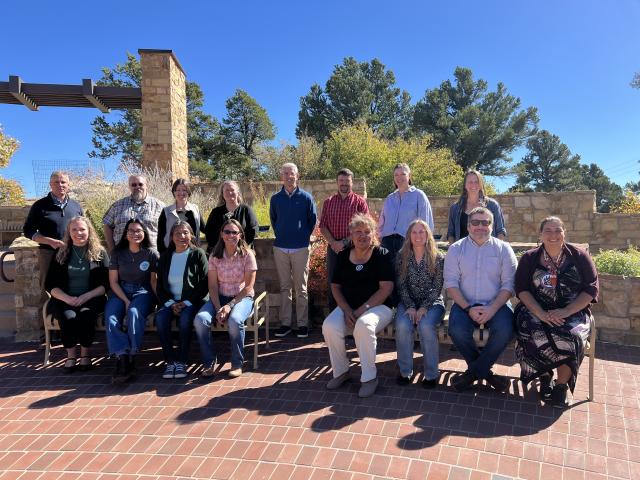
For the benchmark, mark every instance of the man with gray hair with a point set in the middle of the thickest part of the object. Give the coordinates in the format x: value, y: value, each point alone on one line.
x: 293, y: 218
x: 479, y: 275
x: 138, y: 205
x: 48, y: 218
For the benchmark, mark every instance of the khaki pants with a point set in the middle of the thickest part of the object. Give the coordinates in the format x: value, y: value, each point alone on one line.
x: 293, y: 272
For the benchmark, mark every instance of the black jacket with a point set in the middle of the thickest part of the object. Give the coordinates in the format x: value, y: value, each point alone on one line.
x: 48, y: 219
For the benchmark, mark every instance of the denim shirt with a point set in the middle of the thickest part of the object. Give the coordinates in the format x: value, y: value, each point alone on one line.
x: 399, y: 211
x: 455, y: 214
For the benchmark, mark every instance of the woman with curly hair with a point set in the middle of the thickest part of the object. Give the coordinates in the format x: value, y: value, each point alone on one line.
x: 77, y: 282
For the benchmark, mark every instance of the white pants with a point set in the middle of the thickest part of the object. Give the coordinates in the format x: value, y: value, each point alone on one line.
x: 367, y: 325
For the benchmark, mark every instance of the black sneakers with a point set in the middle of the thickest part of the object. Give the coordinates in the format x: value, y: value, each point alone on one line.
x: 559, y: 396
x: 464, y: 381
x: 498, y: 382
x: 546, y: 385
x: 302, y: 332
x: 283, y: 331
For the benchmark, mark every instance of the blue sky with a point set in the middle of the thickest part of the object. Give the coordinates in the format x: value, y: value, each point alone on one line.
x: 572, y: 59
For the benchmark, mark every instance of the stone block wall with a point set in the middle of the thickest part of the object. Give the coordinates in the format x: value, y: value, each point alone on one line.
x: 618, y: 312
x: 11, y: 222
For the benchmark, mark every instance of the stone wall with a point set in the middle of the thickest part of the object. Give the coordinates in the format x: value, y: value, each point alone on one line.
x: 618, y: 312
x: 11, y: 222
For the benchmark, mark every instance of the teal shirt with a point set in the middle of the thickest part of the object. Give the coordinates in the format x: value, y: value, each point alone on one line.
x: 79, y: 268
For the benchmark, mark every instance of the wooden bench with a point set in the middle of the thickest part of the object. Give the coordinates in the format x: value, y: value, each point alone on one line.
x: 481, y: 336
x: 259, y: 316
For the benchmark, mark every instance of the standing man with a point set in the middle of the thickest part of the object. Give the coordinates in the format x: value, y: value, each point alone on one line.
x: 293, y: 217
x: 337, y: 211
x: 139, y: 205
x: 479, y: 273
x: 48, y: 219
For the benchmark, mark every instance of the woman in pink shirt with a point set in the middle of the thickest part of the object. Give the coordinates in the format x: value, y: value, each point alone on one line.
x: 232, y: 275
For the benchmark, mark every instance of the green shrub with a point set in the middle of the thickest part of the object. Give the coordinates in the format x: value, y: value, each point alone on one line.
x: 616, y: 262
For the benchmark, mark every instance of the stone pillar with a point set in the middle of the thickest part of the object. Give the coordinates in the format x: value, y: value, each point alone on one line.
x: 164, y: 113
x: 28, y: 294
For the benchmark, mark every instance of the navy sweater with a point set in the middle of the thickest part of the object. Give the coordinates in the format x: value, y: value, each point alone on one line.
x: 293, y: 218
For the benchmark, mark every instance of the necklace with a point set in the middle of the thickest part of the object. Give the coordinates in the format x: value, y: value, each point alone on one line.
x: 79, y: 257
x: 554, y: 265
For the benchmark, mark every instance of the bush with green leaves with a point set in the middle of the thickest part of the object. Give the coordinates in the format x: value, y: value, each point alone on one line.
x: 617, y: 262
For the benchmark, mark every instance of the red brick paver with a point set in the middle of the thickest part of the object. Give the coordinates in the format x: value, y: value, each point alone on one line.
x: 280, y: 422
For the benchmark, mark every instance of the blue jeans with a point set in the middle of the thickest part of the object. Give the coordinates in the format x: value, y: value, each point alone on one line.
x: 427, y: 328
x: 461, y: 329
x: 128, y: 340
x: 163, y: 325
x: 237, y: 317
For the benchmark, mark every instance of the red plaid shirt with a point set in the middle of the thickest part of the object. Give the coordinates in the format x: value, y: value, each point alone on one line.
x: 337, y: 213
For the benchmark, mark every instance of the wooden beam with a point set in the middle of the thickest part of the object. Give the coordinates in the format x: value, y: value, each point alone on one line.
x: 15, y: 89
x: 88, y: 93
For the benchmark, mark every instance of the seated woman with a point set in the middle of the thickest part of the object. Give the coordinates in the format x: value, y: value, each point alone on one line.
x: 419, y: 283
x: 132, y: 277
x: 230, y: 205
x: 232, y: 274
x: 473, y: 196
x: 361, y: 285
x: 77, y: 281
x: 556, y: 284
x: 181, y: 209
x: 182, y: 289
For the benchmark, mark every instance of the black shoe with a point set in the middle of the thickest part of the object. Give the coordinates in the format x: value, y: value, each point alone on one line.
x: 70, y: 365
x: 463, y: 381
x: 546, y: 385
x: 122, y: 372
x: 403, y: 381
x: 84, y: 365
x: 302, y: 332
x: 559, y: 396
x: 498, y: 382
x: 283, y: 331
x: 429, y: 384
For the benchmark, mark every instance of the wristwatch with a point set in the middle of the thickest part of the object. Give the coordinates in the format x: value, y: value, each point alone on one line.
x: 232, y: 303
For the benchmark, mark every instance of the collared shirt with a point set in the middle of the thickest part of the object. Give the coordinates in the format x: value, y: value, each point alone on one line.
x: 148, y: 212
x: 400, y: 210
x: 57, y: 202
x: 480, y: 271
x: 337, y: 213
x: 230, y: 272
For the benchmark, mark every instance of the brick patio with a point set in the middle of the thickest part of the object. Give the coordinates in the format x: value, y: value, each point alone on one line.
x: 280, y: 422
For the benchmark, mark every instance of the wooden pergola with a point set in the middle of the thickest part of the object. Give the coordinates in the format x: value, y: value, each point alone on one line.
x: 87, y: 95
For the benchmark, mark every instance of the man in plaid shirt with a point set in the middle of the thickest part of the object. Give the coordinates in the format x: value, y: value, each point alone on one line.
x: 337, y: 211
x: 140, y: 206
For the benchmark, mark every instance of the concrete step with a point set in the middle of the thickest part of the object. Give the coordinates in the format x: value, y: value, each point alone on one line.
x: 7, y: 302
x: 7, y: 323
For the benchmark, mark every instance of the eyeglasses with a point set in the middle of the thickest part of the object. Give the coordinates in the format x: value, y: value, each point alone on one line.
x: 484, y: 223
x: 134, y: 185
x: 135, y: 232
x: 231, y: 232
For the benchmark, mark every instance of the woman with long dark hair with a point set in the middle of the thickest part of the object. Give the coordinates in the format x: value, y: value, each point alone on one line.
x: 182, y: 289
x: 132, y: 277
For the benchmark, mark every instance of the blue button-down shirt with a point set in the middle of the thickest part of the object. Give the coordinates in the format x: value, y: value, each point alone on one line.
x: 400, y: 210
x: 480, y: 271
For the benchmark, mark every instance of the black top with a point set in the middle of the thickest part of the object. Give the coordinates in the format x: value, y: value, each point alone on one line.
x: 243, y: 214
x: 49, y: 219
x: 359, y: 281
x: 464, y: 221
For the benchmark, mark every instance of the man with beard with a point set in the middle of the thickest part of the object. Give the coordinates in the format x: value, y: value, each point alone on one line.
x: 48, y: 219
x: 140, y: 206
x: 337, y: 211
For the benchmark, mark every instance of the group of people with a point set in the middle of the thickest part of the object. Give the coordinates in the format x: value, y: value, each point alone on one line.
x: 154, y: 259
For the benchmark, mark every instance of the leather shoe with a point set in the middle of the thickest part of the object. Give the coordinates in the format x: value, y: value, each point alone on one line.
x: 430, y: 383
x: 368, y: 388
x: 464, y: 381
x: 546, y: 385
x: 337, y: 382
x: 498, y: 382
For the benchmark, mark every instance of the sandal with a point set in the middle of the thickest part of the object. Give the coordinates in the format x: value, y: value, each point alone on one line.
x: 85, y: 364
x: 69, y: 365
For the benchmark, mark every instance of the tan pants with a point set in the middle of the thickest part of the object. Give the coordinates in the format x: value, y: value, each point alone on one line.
x: 293, y: 272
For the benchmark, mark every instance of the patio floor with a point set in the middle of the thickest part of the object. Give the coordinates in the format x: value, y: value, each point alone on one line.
x: 280, y: 422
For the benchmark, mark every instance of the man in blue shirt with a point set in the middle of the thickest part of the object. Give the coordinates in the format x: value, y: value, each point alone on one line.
x: 479, y: 275
x: 293, y: 218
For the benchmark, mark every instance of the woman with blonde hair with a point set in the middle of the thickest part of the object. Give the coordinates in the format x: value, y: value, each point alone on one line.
x: 230, y: 205
x: 361, y: 285
x: 473, y: 195
x: 400, y: 208
x: 77, y: 282
x: 419, y: 283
